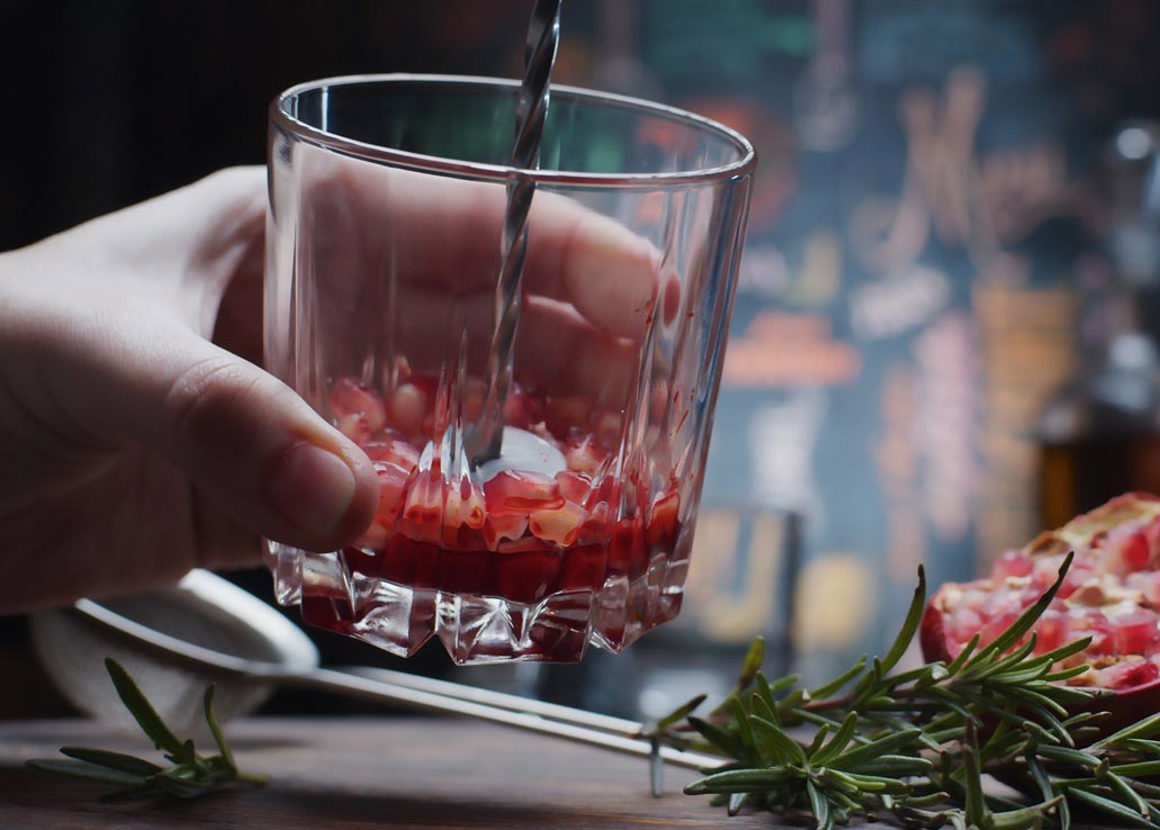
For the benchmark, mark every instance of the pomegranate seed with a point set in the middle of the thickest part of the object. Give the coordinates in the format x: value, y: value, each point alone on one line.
x: 349, y: 397
x: 424, y: 506
x: 428, y: 384
x: 430, y: 534
x: 355, y: 426
x: 599, y: 524
x: 1045, y: 570
x: 1151, y: 533
x: 1131, y: 633
x: 626, y: 548
x: 464, y: 505
x: 573, y: 486
x: 511, y: 491
x: 974, y: 599
x: 393, y: 481
x: 1126, y: 551
x: 995, y: 626
x: 658, y: 400
x: 541, y: 429
x: 565, y: 414
x: 394, y: 451
x: 402, y: 369
x: 1148, y: 584
x: 474, y: 397
x: 519, y: 410
x: 560, y: 526
x: 406, y: 408
x: 607, y: 428
x: 605, y: 489
x: 422, y: 515
x: 375, y: 537
x: 1126, y: 675
x: 440, y: 413
x: 1008, y: 602
x: 503, y: 527
x: 1095, y: 625
x: 662, y: 523
x: 1011, y: 563
x: 964, y: 623
x: 1050, y: 631
x: 585, y: 456
x: 1077, y: 575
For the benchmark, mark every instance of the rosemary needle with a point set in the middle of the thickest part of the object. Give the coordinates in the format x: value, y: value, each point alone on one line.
x: 186, y: 773
x: 915, y: 745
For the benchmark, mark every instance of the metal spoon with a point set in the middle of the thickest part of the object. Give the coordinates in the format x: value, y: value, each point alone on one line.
x: 485, y: 438
x: 176, y: 640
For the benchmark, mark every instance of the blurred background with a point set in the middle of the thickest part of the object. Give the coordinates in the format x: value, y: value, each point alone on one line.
x: 944, y: 332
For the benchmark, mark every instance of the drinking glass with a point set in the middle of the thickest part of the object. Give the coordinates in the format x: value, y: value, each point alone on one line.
x: 385, y: 242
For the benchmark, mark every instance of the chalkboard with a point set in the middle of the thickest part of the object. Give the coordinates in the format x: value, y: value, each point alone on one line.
x: 914, y: 275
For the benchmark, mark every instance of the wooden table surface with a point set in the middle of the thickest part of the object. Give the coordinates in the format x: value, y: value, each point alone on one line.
x: 366, y: 773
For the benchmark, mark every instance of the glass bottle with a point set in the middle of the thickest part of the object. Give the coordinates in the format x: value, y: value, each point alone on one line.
x: 1100, y: 436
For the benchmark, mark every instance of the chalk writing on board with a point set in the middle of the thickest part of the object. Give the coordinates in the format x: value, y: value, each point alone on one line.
x: 900, y: 302
x: 947, y: 421
x: 783, y: 437
x: 779, y: 350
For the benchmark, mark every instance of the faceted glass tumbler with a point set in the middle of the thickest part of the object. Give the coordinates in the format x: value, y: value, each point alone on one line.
x: 385, y: 244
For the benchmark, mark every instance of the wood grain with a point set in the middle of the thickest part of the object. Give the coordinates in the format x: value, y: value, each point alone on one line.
x: 367, y: 773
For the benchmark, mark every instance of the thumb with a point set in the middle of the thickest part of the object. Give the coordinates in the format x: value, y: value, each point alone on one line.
x: 244, y: 438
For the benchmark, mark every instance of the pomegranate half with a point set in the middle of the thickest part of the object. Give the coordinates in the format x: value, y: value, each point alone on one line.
x: 1111, y: 593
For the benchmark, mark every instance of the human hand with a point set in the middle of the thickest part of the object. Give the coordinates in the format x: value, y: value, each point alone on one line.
x: 394, y: 261
x: 133, y: 447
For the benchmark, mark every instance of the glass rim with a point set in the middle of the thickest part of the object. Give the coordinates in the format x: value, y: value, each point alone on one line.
x: 742, y: 167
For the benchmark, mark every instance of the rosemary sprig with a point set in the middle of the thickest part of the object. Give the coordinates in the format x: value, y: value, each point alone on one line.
x: 916, y: 744
x: 188, y: 775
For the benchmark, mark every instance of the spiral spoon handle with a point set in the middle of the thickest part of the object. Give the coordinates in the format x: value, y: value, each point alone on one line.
x: 485, y: 439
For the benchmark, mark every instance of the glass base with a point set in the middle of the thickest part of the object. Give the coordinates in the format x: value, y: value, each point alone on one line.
x: 474, y: 628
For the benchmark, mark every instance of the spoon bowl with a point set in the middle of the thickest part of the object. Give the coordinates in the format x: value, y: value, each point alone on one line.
x: 173, y: 642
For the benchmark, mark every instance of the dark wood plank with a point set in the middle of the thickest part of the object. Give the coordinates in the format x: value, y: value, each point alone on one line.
x: 364, y: 773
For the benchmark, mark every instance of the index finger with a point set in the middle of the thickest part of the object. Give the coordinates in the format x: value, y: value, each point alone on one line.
x: 609, y: 274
